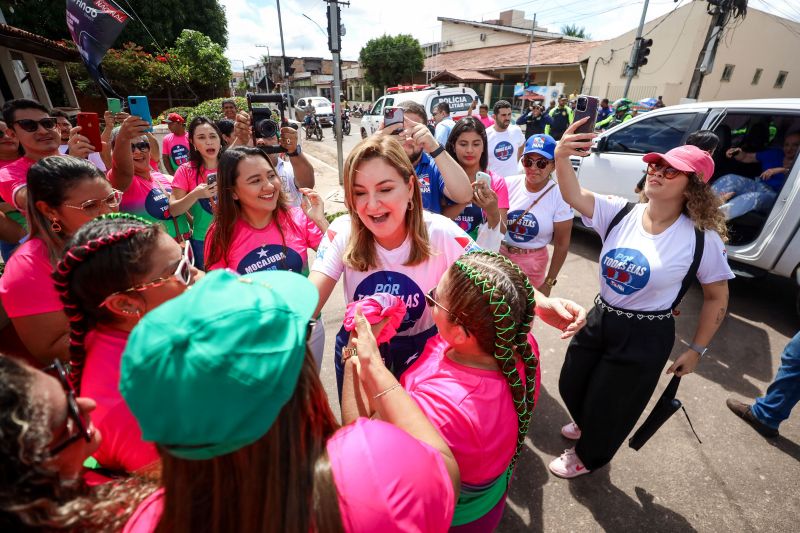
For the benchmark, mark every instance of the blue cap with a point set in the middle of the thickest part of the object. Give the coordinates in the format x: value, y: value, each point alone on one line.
x: 541, y: 144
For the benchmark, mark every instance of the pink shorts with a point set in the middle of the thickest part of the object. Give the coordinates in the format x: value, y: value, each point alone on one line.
x: 534, y: 264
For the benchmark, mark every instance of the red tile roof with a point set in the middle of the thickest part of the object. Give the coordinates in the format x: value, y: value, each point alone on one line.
x: 463, y: 76
x: 511, y: 56
x: 25, y: 41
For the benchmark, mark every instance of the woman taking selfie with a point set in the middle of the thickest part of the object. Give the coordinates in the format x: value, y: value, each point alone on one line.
x: 194, y: 186
x: 254, y: 227
x: 64, y: 193
x: 266, y: 453
x: 467, y: 144
x: 114, y: 270
x: 651, y: 253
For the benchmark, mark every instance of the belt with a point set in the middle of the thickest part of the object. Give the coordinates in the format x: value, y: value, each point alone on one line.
x: 638, y: 315
x: 517, y: 250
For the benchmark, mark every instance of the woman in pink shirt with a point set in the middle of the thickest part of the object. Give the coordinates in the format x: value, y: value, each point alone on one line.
x: 12, y: 223
x: 476, y: 380
x: 245, y: 431
x: 63, y: 194
x: 115, y: 269
x: 47, y: 435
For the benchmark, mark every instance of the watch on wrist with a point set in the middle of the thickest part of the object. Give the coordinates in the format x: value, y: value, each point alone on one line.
x: 436, y: 152
x: 550, y: 282
x: 297, y: 151
x: 699, y: 349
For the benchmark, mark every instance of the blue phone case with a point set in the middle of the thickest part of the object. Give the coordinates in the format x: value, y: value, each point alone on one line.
x: 138, y: 106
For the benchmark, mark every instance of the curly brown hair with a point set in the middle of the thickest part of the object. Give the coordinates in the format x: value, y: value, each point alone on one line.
x: 702, y: 206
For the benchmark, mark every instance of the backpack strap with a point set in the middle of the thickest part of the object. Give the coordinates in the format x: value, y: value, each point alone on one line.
x: 618, y: 217
x: 699, y: 245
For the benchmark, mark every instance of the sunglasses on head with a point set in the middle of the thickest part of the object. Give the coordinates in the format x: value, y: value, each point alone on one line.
x: 30, y: 125
x: 668, y: 172
x: 141, y: 146
x: 541, y: 164
x: 77, y: 428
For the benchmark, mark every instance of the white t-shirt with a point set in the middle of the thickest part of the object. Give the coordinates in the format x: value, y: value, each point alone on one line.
x: 443, y: 130
x: 643, y: 272
x: 94, y: 157
x: 411, y: 283
x: 286, y: 173
x: 535, y: 230
x: 503, y: 148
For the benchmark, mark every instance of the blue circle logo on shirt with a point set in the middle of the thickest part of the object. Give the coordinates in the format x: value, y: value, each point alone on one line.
x: 270, y: 257
x: 625, y: 270
x: 205, y: 203
x: 156, y: 203
x: 399, y: 285
x: 470, y: 218
x: 503, y: 150
x: 524, y: 230
x: 179, y: 154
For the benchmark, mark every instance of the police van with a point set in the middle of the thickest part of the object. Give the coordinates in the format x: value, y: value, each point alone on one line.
x: 459, y: 99
x: 760, y: 243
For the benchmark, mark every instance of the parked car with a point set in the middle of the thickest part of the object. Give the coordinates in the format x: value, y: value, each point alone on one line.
x: 459, y: 99
x: 760, y: 243
x: 322, y: 105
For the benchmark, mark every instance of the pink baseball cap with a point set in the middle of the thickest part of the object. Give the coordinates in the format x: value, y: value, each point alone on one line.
x: 686, y: 158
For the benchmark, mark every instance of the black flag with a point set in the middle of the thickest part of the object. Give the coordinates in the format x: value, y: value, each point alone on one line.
x: 94, y: 26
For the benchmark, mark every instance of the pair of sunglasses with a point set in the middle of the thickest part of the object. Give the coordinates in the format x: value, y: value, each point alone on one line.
x: 541, y: 164
x: 668, y: 172
x: 92, y: 207
x: 430, y: 299
x: 77, y: 428
x: 30, y: 125
x: 141, y: 146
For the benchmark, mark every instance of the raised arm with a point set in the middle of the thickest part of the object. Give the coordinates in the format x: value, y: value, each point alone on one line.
x: 122, y: 158
x: 578, y: 145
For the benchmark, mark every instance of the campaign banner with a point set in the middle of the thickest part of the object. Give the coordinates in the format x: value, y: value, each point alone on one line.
x: 94, y: 26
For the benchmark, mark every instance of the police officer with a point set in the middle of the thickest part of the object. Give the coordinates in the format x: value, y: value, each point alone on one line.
x: 535, y: 121
x: 622, y: 113
x: 562, y: 117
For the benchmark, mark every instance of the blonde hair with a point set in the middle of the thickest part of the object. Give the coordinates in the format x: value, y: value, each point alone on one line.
x: 359, y: 254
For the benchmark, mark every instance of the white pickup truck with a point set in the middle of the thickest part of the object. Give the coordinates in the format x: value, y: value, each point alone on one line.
x: 760, y: 243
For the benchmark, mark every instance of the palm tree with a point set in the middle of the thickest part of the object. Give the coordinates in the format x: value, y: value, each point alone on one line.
x: 573, y: 30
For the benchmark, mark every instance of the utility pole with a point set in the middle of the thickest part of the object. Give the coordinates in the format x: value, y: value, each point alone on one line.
x: 705, y: 60
x: 530, y: 47
x: 632, y: 67
x: 284, y: 69
x: 268, y: 66
x: 335, y: 46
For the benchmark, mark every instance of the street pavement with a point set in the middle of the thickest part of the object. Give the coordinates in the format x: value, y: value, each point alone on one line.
x: 734, y: 481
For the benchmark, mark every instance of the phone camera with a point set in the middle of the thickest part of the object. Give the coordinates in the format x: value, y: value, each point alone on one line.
x: 582, y: 103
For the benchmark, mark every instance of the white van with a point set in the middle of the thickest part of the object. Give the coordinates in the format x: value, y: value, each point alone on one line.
x: 459, y: 99
x: 760, y: 243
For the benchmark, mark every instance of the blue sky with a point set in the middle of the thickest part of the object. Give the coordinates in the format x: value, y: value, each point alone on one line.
x: 252, y: 23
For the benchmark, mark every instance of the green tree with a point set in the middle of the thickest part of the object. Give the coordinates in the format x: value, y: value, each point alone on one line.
x: 165, y: 19
x: 573, y: 30
x: 201, y: 62
x: 390, y: 60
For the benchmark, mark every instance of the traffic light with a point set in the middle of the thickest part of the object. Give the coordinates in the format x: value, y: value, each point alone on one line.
x: 643, y: 52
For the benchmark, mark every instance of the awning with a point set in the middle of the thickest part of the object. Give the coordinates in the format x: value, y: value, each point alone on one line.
x: 25, y: 41
x: 463, y: 76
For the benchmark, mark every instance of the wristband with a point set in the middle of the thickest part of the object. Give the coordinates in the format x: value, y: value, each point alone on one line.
x: 699, y: 349
x: 297, y: 151
x: 437, y: 152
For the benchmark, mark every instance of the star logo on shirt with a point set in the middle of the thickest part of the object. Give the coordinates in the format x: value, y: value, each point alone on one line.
x: 263, y: 253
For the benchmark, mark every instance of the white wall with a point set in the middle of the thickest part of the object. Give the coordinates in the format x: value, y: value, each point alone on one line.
x: 467, y: 37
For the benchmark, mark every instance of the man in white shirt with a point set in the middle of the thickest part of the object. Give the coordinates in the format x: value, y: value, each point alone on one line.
x: 444, y: 124
x: 505, y: 141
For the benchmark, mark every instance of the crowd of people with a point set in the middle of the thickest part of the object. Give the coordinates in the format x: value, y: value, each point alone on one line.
x: 163, y: 338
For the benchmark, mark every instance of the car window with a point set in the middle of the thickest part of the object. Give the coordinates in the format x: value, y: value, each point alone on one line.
x: 376, y: 109
x: 653, y: 134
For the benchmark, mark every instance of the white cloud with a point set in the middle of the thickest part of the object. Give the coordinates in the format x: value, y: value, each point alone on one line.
x: 256, y: 22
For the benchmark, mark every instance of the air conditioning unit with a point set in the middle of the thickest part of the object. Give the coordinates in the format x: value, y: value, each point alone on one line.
x: 448, y: 43
x: 483, y: 36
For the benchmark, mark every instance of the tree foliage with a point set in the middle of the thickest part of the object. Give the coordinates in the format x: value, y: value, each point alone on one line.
x: 390, y: 60
x: 573, y: 30
x: 165, y: 19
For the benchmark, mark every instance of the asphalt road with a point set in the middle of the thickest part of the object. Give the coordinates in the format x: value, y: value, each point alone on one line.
x: 734, y: 481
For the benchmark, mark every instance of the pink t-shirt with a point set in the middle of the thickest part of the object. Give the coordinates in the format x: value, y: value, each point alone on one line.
x: 486, y: 121
x: 410, y: 493
x: 26, y: 287
x: 122, y: 447
x: 176, y: 148
x: 149, y: 199
x: 254, y: 250
x: 186, y: 178
x: 472, y: 408
x: 5, y: 162
x: 13, y: 177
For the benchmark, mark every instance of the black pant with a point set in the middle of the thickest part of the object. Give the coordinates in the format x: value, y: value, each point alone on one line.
x: 611, y: 370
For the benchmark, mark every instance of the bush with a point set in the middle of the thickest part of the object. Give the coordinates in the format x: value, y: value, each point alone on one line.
x: 181, y: 110
x: 212, y: 109
x: 333, y: 216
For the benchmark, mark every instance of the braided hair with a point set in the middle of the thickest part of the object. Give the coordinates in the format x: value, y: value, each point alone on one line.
x: 107, y: 255
x: 484, y: 280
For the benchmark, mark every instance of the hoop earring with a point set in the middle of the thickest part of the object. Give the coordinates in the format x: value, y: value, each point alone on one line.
x: 136, y: 313
x: 55, y: 226
x: 410, y: 205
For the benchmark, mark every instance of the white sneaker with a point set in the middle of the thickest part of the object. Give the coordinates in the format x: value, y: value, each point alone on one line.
x: 571, y: 431
x: 568, y: 465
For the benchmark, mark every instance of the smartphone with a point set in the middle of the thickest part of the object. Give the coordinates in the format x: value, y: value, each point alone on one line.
x: 138, y: 106
x: 90, y: 128
x: 484, y: 177
x: 211, y: 179
x: 586, y: 107
x: 392, y: 116
x: 114, y: 105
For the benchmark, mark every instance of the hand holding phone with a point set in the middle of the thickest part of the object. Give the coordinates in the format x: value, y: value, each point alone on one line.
x: 393, y: 116
x: 484, y: 177
x: 90, y: 128
x: 114, y: 105
x: 139, y: 107
x: 586, y: 107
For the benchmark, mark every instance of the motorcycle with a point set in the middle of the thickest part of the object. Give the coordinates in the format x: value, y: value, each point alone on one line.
x: 346, y: 122
x: 357, y: 113
x: 312, y: 128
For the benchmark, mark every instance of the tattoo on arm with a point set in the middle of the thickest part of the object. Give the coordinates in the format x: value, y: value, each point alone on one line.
x: 721, y: 315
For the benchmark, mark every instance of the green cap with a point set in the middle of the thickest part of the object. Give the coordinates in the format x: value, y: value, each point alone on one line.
x: 207, y: 373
